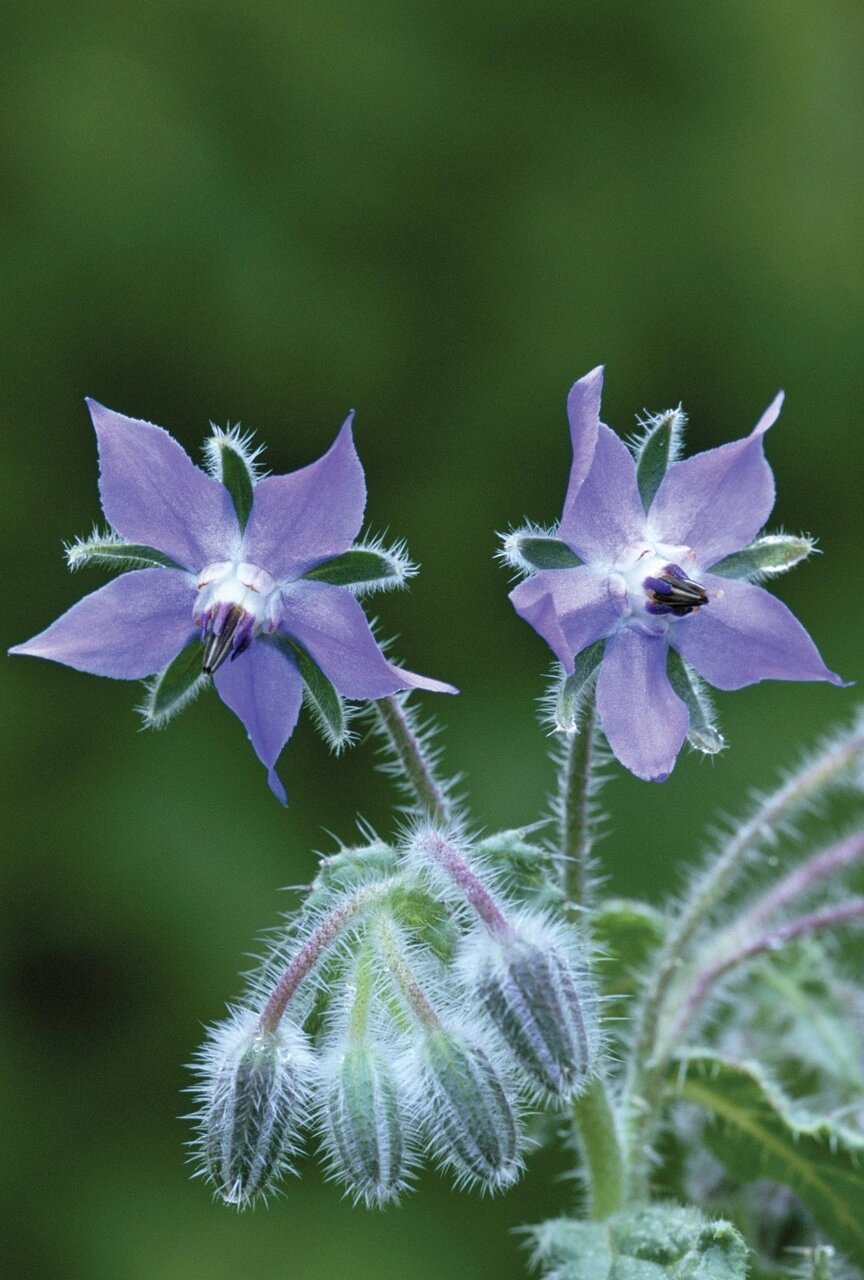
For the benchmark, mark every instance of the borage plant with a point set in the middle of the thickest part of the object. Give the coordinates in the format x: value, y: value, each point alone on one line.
x: 434, y: 987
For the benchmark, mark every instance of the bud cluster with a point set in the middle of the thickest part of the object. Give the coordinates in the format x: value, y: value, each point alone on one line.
x: 410, y: 1008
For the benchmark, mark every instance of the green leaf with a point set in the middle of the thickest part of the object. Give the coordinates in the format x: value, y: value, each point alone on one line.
x: 174, y: 688
x: 107, y: 549
x: 370, y: 568
x: 627, y: 934
x: 756, y: 1133
x: 651, y: 1242
x: 702, y: 734
x: 325, y: 704
x: 659, y: 446
x: 766, y: 557
x: 527, y: 870
x: 231, y: 458
x: 575, y: 689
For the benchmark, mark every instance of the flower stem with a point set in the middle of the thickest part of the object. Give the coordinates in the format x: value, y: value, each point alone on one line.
x: 600, y: 1141
x: 404, y: 976
x: 646, y: 1069
x: 458, y: 871
x: 313, y: 949
x: 574, y: 808
x: 828, y: 918
x: 413, y: 762
x: 819, y: 867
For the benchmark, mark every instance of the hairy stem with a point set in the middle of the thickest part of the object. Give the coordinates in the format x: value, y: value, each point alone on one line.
x: 827, y: 918
x: 820, y: 867
x: 574, y: 809
x: 404, y: 976
x: 646, y: 1070
x: 458, y: 871
x: 600, y: 1141
x: 413, y: 762
x: 314, y: 948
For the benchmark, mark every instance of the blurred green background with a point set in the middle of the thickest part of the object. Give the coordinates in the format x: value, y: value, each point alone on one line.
x: 441, y: 215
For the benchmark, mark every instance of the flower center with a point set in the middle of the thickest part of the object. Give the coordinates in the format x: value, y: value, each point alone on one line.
x: 659, y: 590
x: 235, y: 601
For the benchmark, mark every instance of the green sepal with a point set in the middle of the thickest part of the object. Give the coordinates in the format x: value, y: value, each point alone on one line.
x: 235, y: 472
x: 766, y: 557
x: 656, y: 450
x: 650, y: 1242
x: 369, y: 568
x: 756, y: 1133
x: 528, y: 550
x: 326, y: 706
x: 527, y: 870
x: 108, y: 550
x: 174, y: 688
x: 703, y: 733
x: 574, y: 690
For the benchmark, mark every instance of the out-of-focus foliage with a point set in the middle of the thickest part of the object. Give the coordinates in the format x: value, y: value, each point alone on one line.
x: 440, y: 215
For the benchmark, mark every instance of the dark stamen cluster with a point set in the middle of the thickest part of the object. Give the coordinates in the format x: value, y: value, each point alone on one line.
x: 673, y: 592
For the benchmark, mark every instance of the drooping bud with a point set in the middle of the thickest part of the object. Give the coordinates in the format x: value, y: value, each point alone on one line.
x: 540, y: 997
x: 254, y: 1095
x: 364, y: 1121
x: 471, y: 1122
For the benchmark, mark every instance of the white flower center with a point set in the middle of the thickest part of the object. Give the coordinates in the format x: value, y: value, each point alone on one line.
x: 235, y: 601
x: 661, y: 583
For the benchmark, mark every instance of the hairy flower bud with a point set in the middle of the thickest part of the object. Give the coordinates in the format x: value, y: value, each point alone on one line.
x: 254, y: 1094
x: 542, y: 1002
x: 471, y: 1122
x: 364, y: 1122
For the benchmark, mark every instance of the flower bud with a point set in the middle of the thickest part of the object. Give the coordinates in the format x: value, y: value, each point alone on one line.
x: 364, y: 1125
x: 253, y: 1095
x: 542, y: 1003
x: 470, y: 1120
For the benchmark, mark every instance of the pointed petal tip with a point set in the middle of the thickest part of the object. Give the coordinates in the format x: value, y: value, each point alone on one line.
x: 770, y: 416
x: 592, y: 377
x: 275, y: 785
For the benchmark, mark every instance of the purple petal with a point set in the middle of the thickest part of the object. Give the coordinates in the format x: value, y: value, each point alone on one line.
x: 583, y: 411
x: 569, y: 608
x: 717, y: 501
x: 152, y: 492
x: 309, y: 515
x: 743, y: 635
x: 331, y: 626
x: 645, y: 722
x: 607, y: 515
x: 127, y: 629
x: 264, y: 689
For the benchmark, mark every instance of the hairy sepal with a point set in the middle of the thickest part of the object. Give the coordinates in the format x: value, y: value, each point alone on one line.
x: 169, y: 692
x: 656, y: 448
x: 768, y: 556
x: 703, y: 735
x: 108, y: 550
x: 570, y: 696
x: 329, y: 710
x: 231, y: 457
x: 369, y: 567
x: 532, y: 548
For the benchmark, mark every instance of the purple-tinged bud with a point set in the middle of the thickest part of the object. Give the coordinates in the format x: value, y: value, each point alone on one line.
x: 471, y: 1122
x: 539, y: 996
x: 254, y: 1095
x: 364, y: 1120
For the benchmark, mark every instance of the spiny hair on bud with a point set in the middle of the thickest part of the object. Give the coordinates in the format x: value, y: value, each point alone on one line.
x: 403, y: 568
x: 471, y: 1115
x: 367, y: 1118
x: 238, y: 441
x: 536, y: 990
x: 253, y: 1094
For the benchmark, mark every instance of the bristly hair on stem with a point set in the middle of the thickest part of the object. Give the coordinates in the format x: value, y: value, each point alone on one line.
x: 581, y: 760
x: 411, y: 757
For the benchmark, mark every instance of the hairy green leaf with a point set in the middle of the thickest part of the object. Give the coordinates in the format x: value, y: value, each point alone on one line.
x: 110, y: 551
x: 651, y: 1242
x: 325, y: 704
x: 627, y: 934
x: 575, y: 689
x: 756, y: 1133
x: 544, y: 552
x: 658, y: 448
x: 702, y: 734
x: 372, y: 568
